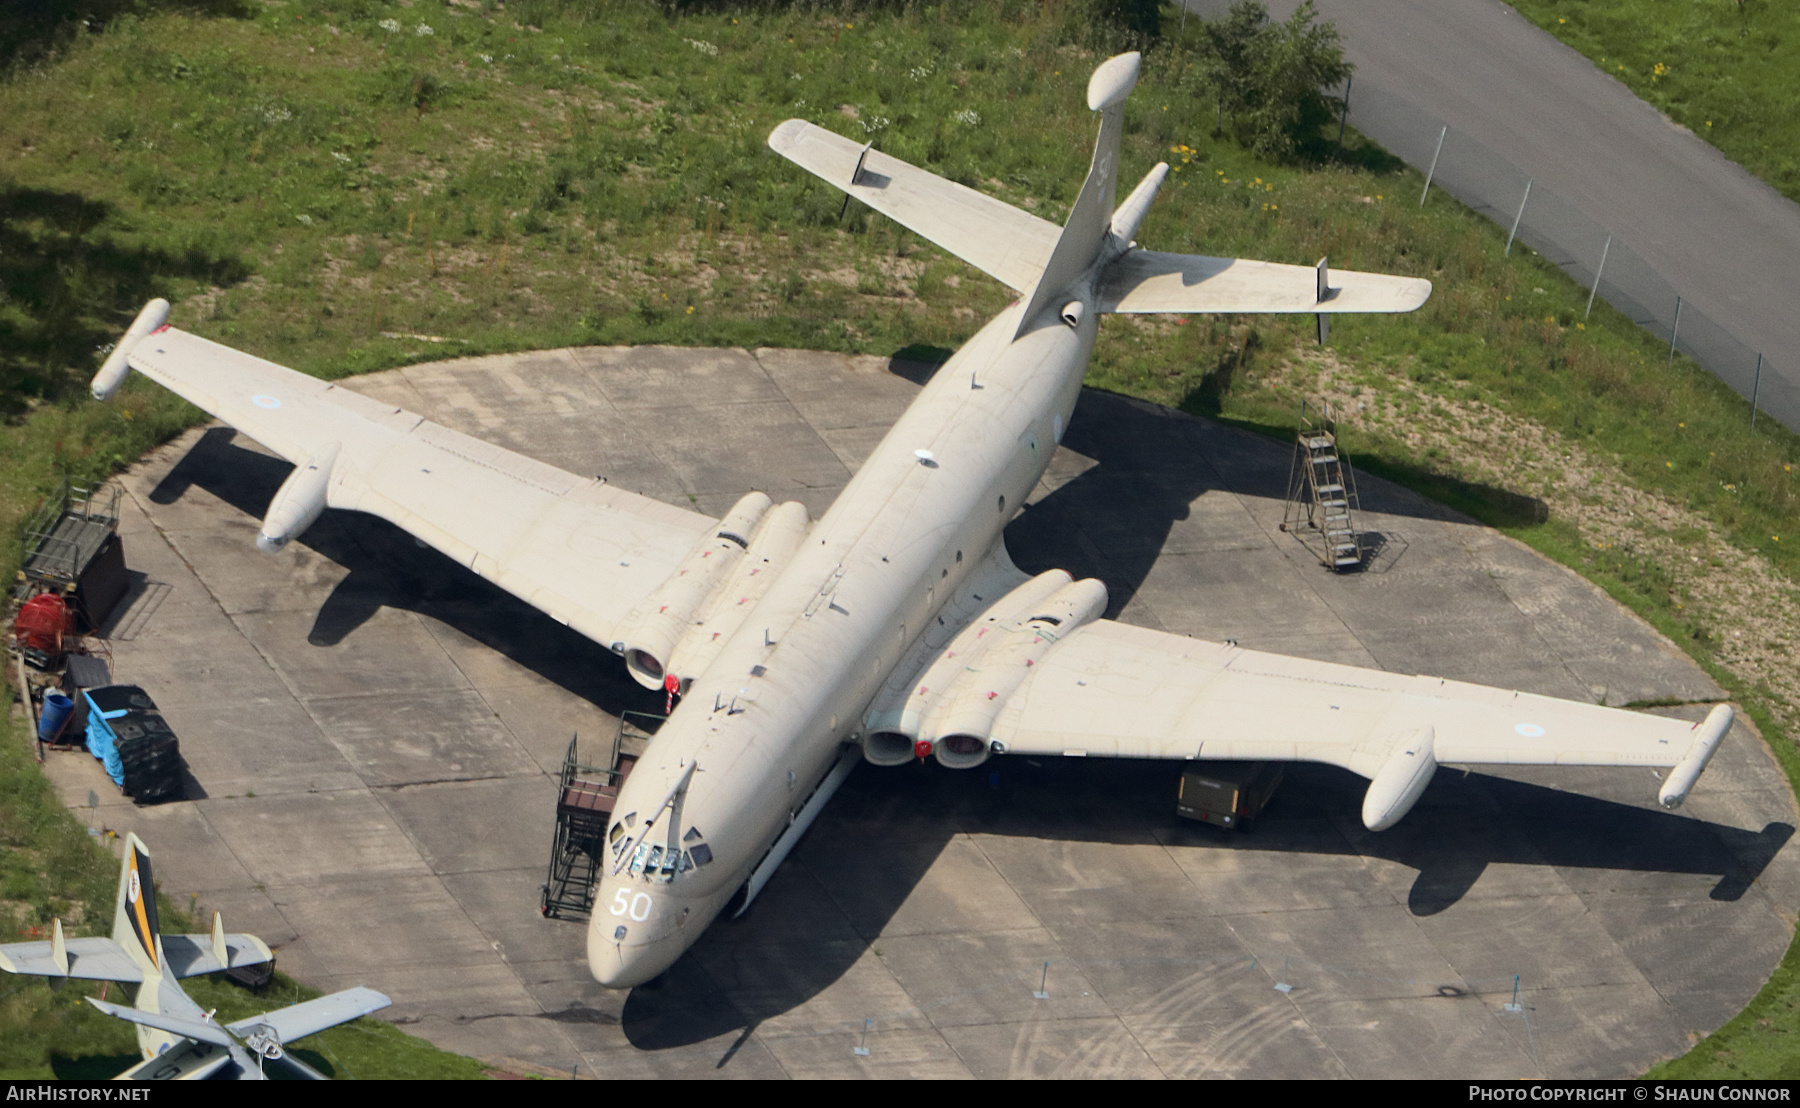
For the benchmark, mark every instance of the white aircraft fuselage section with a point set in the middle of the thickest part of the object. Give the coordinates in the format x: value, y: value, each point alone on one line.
x: 766, y: 720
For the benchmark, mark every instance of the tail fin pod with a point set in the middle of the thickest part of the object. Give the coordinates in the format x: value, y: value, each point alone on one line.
x: 135, y: 926
x: 1091, y: 217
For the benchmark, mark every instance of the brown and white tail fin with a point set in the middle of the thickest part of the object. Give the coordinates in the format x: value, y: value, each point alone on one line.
x: 135, y: 927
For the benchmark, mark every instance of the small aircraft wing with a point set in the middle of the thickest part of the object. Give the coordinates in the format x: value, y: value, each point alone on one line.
x: 304, y: 1019
x: 576, y: 548
x: 1007, y: 244
x: 1109, y: 689
x: 88, y: 960
x: 1151, y: 281
x: 203, y: 1031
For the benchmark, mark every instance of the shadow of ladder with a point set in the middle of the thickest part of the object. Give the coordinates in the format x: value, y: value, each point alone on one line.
x: 1322, y: 493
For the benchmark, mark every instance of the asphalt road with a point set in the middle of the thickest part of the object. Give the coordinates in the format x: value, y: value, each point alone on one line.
x: 1725, y: 240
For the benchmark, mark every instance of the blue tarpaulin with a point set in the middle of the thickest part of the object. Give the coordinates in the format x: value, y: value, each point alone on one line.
x: 102, y: 743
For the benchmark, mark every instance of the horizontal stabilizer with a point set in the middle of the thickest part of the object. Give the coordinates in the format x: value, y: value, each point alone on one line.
x: 88, y: 960
x: 1007, y: 244
x: 1152, y: 281
x: 199, y: 1030
x: 193, y: 955
x: 303, y: 1019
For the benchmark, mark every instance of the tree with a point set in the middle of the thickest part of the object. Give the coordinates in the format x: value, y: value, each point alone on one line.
x: 1270, y: 77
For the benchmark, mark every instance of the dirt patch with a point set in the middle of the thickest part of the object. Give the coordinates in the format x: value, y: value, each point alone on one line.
x: 1745, y: 604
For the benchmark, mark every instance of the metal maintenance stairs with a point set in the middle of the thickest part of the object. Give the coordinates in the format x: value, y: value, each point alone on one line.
x: 1322, y: 493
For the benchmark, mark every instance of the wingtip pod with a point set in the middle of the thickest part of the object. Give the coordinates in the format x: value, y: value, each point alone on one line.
x: 1113, y: 81
x: 1707, y: 736
x: 153, y: 317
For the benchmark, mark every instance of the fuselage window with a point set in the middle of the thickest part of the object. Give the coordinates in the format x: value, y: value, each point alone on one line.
x: 1003, y: 503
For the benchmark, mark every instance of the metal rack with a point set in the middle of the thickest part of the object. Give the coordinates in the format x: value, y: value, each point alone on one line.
x: 585, y: 798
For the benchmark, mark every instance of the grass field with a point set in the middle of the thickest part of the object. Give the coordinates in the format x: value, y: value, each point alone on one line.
x: 347, y: 186
x: 1728, y: 70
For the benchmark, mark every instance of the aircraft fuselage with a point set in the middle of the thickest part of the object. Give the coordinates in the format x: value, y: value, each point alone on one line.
x: 766, y: 720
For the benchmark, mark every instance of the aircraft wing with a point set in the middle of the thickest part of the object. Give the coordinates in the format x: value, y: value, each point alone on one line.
x: 1007, y: 244
x: 574, y: 547
x: 1109, y: 689
x: 204, y: 1031
x: 192, y: 955
x: 1152, y: 281
x: 303, y: 1019
x: 89, y: 960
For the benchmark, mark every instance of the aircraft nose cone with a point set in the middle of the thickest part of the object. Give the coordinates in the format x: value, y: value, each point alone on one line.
x: 621, y: 964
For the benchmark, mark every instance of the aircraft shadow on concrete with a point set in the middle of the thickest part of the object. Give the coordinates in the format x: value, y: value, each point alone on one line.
x: 386, y: 568
x: 872, y: 847
x: 880, y: 836
x: 1113, y: 520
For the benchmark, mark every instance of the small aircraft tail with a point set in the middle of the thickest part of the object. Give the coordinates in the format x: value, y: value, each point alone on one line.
x: 135, y: 927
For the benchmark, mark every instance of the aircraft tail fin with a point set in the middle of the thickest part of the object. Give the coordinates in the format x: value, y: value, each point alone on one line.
x: 135, y: 927
x: 1091, y: 218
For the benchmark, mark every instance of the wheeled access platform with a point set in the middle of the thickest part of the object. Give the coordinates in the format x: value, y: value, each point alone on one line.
x: 584, y: 805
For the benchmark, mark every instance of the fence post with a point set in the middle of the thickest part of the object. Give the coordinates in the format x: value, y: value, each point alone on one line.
x: 1755, y: 390
x: 1344, y: 113
x: 1432, y: 172
x: 1595, y: 291
x: 1512, y: 234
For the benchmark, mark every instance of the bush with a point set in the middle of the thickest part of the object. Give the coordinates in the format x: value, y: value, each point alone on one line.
x: 1269, y: 77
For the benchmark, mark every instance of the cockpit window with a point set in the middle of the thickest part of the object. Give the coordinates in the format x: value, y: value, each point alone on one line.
x: 661, y: 864
x: 693, y: 835
x: 617, y: 830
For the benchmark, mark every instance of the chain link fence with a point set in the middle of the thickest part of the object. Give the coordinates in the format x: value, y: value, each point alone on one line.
x: 1582, y: 247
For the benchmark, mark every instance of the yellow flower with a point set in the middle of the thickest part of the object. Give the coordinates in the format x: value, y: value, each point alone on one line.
x: 1561, y: 20
x: 1581, y: 326
x: 1258, y: 180
x: 690, y: 310
x: 1274, y: 207
x: 1671, y: 465
x: 1681, y: 425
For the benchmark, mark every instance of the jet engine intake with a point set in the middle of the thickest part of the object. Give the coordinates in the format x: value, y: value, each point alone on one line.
x: 649, y: 635
x: 887, y: 748
x: 961, y: 729
x: 299, y: 501
x: 893, y: 722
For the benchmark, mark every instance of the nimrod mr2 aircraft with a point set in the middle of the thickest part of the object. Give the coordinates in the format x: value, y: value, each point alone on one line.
x: 180, y: 1040
x: 895, y: 627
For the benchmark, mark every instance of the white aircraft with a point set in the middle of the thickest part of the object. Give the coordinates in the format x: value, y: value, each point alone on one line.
x: 179, y: 1040
x: 896, y: 626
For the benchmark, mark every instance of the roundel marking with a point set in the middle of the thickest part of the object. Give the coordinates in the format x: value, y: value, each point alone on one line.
x: 1529, y: 730
x: 264, y: 400
x: 132, y: 887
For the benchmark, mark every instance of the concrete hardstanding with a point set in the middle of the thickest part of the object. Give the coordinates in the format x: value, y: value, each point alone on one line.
x: 372, y: 733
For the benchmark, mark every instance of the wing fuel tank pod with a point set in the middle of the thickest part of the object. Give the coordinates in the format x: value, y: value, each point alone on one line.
x: 114, y: 370
x: 1401, y: 781
x: 651, y: 632
x: 960, y: 730
x: 298, y: 502
x: 1707, y: 737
